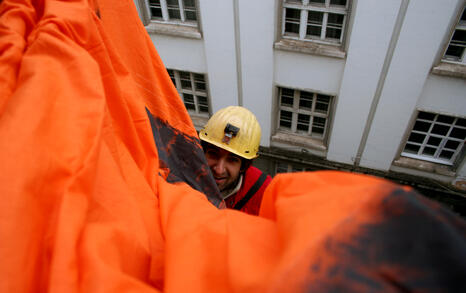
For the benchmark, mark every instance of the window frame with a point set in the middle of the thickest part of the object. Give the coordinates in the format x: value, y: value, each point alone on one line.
x: 452, y: 162
x: 459, y: 25
x: 166, y: 19
x: 304, y: 6
x: 290, y: 168
x: 296, y: 110
x: 177, y: 82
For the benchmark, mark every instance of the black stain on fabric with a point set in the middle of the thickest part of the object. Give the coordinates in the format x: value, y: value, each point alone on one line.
x: 413, y: 245
x: 182, y: 156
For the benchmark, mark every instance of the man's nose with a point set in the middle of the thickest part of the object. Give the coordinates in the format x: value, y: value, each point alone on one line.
x: 219, y: 166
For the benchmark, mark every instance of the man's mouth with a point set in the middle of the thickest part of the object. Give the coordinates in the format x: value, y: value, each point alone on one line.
x: 219, y: 180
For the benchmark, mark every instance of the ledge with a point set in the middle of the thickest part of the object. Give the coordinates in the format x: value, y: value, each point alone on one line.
x: 310, y: 48
x: 297, y: 140
x: 424, y: 166
x: 198, y: 121
x: 450, y: 69
x: 173, y: 29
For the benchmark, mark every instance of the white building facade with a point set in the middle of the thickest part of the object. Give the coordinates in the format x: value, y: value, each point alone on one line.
x: 343, y: 84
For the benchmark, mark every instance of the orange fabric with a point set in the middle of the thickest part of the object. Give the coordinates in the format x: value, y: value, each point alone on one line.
x: 84, y: 209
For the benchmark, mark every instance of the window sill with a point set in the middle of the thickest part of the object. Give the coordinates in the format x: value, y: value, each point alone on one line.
x: 198, y: 121
x: 450, y: 69
x: 424, y: 166
x: 298, y: 140
x: 173, y: 29
x: 310, y: 48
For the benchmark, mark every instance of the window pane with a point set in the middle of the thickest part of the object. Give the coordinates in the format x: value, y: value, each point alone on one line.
x: 322, y: 103
x: 189, y: 4
x: 317, y: 1
x: 457, y: 45
x: 287, y: 97
x: 155, y: 9
x: 285, y: 119
x: 421, y: 126
x: 461, y: 122
x: 452, y: 144
x: 305, y: 100
x: 333, y: 33
x: 335, y: 20
x: 200, y: 86
x: 338, y: 2
x: 203, y: 106
x: 428, y: 151
x: 282, y: 168
x: 171, y: 73
x: 199, y: 82
x: 446, y: 155
x: 190, y: 15
x: 303, y: 122
x: 189, y: 101
x: 440, y: 129
x: 318, y: 126
x: 445, y: 119
x: 411, y: 148
x: 426, y: 116
x: 185, y: 80
x: 292, y: 19
x: 458, y: 133
x: 296, y: 169
x: 319, y: 121
x: 314, y: 23
x: 433, y: 141
x: 459, y: 37
x: 173, y: 9
x: 190, y: 10
x: 315, y: 17
x: 416, y: 137
x: 334, y: 26
x: 454, y: 52
x: 317, y: 131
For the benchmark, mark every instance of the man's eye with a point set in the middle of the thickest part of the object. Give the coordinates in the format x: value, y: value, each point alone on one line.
x: 234, y: 159
x: 212, y: 153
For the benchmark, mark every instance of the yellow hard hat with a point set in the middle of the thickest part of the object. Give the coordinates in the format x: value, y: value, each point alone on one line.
x: 234, y: 129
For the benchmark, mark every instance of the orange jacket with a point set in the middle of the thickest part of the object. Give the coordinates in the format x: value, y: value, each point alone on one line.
x: 90, y: 204
x: 248, y: 199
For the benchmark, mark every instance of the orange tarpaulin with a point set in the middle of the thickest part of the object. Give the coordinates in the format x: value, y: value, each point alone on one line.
x: 104, y: 187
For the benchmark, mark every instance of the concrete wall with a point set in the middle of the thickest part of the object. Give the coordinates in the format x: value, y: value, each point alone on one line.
x: 181, y: 53
x: 423, y: 29
x: 218, y: 29
x: 378, y: 87
x: 257, y: 67
x: 372, y: 31
x: 304, y: 71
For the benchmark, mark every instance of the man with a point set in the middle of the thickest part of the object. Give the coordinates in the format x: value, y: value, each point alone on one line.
x: 231, y: 140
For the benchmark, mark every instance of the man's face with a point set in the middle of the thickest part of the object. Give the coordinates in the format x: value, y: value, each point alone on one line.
x: 225, y: 166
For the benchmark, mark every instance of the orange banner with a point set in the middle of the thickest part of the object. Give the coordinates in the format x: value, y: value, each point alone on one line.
x: 105, y: 189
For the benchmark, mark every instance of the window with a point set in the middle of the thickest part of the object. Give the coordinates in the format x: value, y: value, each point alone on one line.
x: 456, y: 47
x: 315, y: 20
x: 436, y: 138
x: 303, y: 112
x: 176, y: 11
x: 284, y: 167
x: 192, y: 89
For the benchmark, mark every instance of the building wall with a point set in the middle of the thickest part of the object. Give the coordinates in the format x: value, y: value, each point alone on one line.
x: 422, y: 30
x: 366, y: 58
x: 379, y: 78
